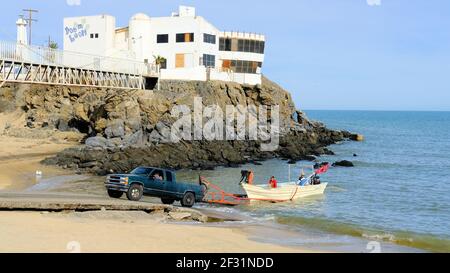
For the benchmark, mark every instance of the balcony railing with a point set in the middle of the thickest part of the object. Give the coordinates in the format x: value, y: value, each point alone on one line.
x: 52, y: 57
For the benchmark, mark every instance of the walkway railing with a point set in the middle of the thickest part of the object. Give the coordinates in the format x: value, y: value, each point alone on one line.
x: 52, y: 57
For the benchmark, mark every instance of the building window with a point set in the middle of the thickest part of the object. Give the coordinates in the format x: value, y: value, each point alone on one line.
x: 162, y: 38
x: 225, y: 44
x: 94, y: 35
x: 261, y: 47
x: 185, y: 37
x: 179, y: 60
x: 163, y: 64
x: 239, y: 66
x: 209, y: 38
x: 161, y: 61
x: 209, y: 60
x: 241, y: 45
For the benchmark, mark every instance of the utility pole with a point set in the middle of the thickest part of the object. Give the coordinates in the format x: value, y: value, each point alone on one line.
x: 30, y: 21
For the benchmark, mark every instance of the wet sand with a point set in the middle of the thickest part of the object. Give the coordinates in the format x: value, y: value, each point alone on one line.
x: 97, y: 231
x: 20, y: 159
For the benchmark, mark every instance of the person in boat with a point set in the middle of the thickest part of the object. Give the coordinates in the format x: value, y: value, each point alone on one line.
x: 316, y: 180
x: 302, y: 180
x: 273, y: 183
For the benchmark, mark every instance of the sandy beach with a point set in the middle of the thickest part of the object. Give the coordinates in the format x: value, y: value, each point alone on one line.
x: 118, y: 232
x: 98, y: 231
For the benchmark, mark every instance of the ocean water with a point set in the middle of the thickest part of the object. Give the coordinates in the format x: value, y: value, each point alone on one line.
x: 398, y: 191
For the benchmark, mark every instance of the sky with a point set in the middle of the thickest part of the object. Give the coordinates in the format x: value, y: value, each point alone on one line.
x: 330, y: 54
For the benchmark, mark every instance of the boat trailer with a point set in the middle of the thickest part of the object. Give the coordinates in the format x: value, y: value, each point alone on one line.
x: 217, y: 195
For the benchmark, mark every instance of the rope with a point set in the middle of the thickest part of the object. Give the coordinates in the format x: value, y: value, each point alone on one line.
x: 224, y: 194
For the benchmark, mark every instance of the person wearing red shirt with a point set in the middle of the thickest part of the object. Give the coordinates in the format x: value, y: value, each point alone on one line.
x: 273, y: 182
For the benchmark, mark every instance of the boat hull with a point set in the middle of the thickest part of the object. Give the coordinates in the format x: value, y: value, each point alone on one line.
x: 284, y: 192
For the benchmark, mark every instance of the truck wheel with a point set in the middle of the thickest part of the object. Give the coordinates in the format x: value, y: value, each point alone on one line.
x: 167, y: 201
x: 135, y: 192
x: 188, y: 200
x: 115, y: 194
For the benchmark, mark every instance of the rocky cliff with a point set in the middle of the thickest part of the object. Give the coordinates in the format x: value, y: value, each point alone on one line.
x: 123, y: 129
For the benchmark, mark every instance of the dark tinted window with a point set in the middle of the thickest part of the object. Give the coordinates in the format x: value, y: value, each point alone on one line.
x: 185, y: 37
x: 142, y: 171
x: 209, y: 60
x: 169, y: 176
x: 162, y: 38
x: 225, y: 44
x: 262, y: 45
x: 240, y: 66
x: 180, y: 38
x: 243, y: 45
x: 210, y: 39
x: 252, y: 47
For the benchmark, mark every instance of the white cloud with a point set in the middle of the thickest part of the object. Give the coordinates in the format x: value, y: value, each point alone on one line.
x: 373, y: 2
x: 73, y: 2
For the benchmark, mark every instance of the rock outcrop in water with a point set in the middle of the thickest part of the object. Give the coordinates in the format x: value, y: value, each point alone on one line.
x: 344, y: 163
x: 124, y: 129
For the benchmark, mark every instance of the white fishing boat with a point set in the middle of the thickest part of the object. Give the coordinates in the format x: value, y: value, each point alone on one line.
x: 284, y: 192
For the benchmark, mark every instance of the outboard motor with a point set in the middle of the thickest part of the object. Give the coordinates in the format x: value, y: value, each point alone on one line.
x: 244, y: 176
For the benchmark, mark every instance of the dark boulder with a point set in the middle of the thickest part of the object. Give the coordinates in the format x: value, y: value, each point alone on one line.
x: 356, y: 137
x: 256, y: 163
x: 292, y: 162
x: 343, y: 163
x: 309, y: 158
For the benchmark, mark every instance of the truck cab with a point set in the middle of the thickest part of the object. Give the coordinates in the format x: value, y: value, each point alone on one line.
x: 154, y: 182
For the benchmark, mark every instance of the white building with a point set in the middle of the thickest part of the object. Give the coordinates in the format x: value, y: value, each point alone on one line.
x: 188, y: 46
x: 22, y: 31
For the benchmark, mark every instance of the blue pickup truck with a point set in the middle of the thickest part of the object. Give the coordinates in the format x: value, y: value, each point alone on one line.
x: 154, y: 182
